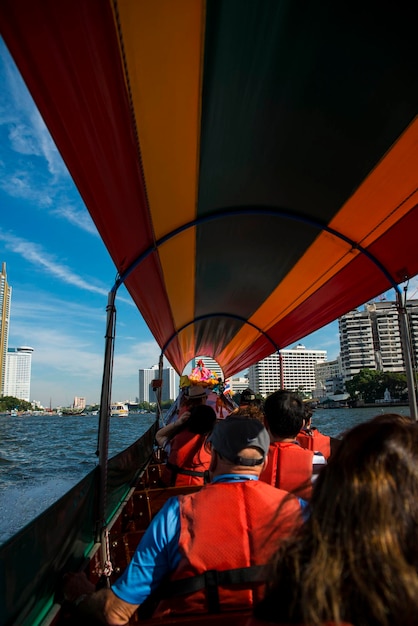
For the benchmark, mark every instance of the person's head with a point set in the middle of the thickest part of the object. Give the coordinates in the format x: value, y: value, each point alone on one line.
x: 247, y: 397
x: 195, y: 396
x: 202, y: 420
x: 239, y: 445
x: 251, y: 411
x: 284, y: 413
x: 308, y: 414
x: 356, y: 558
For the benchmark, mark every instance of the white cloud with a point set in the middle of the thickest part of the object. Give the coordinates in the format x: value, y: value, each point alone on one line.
x: 79, y: 218
x: 34, y: 254
x: 20, y: 184
x: 42, y: 177
x: 28, y: 134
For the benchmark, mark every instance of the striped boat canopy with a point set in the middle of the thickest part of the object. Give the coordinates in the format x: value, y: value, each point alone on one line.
x: 251, y: 165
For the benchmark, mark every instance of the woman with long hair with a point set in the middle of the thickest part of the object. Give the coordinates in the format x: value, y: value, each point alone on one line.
x: 355, y: 559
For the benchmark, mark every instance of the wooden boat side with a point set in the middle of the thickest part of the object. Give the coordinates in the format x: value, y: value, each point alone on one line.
x: 125, y: 532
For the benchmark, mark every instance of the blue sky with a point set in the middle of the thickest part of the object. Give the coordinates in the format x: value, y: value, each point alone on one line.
x: 59, y: 269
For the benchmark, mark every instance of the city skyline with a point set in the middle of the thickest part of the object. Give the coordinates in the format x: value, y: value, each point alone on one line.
x: 60, y: 270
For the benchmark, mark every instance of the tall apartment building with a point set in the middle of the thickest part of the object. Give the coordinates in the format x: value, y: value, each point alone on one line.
x: 239, y: 384
x: 297, y: 369
x: 329, y: 379
x: 170, y: 388
x: 79, y: 403
x: 18, y: 373
x: 5, y: 298
x: 171, y: 384
x: 371, y: 338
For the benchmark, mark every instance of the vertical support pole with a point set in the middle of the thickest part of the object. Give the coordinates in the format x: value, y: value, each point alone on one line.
x: 159, y: 391
x: 104, y: 423
x: 406, y: 347
x: 281, y: 369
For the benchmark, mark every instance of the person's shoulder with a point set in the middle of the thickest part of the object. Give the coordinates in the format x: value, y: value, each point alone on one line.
x: 275, y: 493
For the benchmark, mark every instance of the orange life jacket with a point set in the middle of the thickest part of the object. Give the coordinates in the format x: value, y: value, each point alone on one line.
x: 289, y: 466
x: 228, y: 531
x: 315, y: 441
x: 188, y: 460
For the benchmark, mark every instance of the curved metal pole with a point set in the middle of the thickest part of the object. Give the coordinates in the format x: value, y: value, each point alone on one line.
x: 200, y: 318
x: 104, y: 422
x: 407, y: 351
x: 257, y: 210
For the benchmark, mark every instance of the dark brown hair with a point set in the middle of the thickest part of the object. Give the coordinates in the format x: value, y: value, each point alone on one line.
x: 356, y: 557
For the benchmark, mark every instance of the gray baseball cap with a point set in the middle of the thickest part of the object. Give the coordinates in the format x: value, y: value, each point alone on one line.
x: 233, y: 434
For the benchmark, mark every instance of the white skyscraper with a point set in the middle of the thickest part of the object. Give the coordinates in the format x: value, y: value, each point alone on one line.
x: 5, y: 298
x: 296, y: 371
x: 171, y: 383
x: 170, y: 389
x: 18, y: 373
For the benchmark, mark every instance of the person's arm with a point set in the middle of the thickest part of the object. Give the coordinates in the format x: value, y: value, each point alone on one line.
x: 104, y: 606
x: 166, y: 433
x: 156, y: 555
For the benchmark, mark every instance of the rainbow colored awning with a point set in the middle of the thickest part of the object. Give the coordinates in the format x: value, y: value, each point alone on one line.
x: 251, y: 165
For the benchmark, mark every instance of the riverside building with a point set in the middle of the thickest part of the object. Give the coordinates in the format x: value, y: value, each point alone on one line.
x: 329, y: 379
x: 170, y: 387
x: 371, y: 338
x: 18, y: 373
x: 293, y: 369
x: 5, y: 298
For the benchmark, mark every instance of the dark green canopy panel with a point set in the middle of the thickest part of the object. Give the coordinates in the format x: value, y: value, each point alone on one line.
x: 251, y: 166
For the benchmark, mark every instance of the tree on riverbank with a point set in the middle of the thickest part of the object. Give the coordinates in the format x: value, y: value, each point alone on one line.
x: 371, y: 385
x: 10, y: 403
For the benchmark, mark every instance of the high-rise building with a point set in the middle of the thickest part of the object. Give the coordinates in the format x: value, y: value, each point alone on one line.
x: 170, y: 384
x: 329, y: 379
x: 371, y: 338
x: 239, y: 384
x: 79, y: 403
x: 294, y: 367
x: 18, y: 372
x: 5, y: 298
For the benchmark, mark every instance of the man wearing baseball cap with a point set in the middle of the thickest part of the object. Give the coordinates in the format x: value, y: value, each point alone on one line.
x: 212, y: 544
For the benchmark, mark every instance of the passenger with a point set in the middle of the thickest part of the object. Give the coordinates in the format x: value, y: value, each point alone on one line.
x: 195, y: 395
x: 252, y: 411
x: 188, y: 460
x: 250, y: 406
x: 355, y: 560
x: 213, y: 543
x: 290, y: 466
x: 248, y: 398
x: 310, y: 438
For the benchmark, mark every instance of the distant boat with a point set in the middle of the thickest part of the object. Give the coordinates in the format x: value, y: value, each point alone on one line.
x: 119, y: 409
x: 72, y: 411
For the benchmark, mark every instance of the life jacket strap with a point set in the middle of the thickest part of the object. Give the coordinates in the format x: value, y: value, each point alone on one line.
x: 211, y: 580
x: 175, y: 469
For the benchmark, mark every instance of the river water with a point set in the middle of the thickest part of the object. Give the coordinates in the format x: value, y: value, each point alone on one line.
x: 42, y: 457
